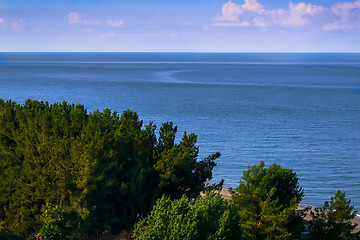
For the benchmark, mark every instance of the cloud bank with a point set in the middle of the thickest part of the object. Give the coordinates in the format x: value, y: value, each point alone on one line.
x: 341, y: 16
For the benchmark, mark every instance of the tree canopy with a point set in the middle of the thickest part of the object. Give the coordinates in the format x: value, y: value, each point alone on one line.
x: 89, y: 173
x: 208, y: 217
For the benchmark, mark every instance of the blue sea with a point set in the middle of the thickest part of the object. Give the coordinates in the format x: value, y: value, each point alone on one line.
x: 300, y: 110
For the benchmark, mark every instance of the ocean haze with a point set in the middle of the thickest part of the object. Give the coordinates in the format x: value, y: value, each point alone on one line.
x: 301, y: 110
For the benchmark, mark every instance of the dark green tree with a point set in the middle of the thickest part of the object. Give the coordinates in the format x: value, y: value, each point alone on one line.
x: 267, y: 199
x: 178, y: 166
x: 333, y: 220
x: 104, y: 170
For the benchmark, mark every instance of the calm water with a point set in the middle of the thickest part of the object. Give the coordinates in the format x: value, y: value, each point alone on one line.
x: 299, y: 110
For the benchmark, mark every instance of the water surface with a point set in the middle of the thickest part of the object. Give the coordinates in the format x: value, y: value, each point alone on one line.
x: 299, y: 110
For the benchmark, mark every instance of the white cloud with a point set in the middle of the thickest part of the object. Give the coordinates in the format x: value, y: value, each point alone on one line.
x: 231, y: 11
x: 253, y: 6
x: 344, y: 9
x: 259, y: 22
x: 347, y: 12
x: 343, y: 15
x: 295, y: 15
x: 114, y: 23
x: 298, y: 14
x: 76, y: 18
x: 16, y: 24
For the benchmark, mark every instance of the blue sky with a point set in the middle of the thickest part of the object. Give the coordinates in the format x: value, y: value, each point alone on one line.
x: 179, y: 26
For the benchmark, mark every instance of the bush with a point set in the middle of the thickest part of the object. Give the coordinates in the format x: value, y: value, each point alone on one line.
x: 333, y: 220
x: 209, y: 217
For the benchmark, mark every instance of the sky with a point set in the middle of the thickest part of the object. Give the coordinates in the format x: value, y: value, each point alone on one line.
x: 179, y: 26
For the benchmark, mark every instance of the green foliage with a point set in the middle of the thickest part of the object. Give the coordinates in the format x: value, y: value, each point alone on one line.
x: 209, y: 217
x: 57, y: 223
x: 104, y: 170
x: 179, y: 169
x: 333, y: 220
x: 267, y: 199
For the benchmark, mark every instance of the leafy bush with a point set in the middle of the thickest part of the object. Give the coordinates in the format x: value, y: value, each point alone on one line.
x: 333, y: 220
x: 267, y: 199
x: 209, y: 217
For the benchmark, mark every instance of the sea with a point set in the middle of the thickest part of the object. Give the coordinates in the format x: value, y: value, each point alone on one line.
x: 300, y: 110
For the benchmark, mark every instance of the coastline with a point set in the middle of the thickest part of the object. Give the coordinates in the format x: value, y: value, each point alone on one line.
x: 226, y: 195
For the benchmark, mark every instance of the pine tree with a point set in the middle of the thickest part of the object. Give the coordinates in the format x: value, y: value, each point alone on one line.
x: 333, y: 220
x: 267, y: 199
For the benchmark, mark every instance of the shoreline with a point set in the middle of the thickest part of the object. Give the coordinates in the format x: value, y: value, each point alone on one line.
x: 226, y: 195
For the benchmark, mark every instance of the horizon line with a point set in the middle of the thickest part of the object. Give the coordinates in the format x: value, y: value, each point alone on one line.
x: 177, y: 52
